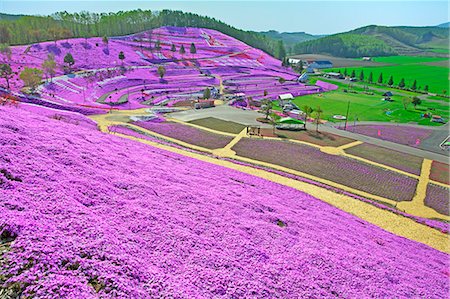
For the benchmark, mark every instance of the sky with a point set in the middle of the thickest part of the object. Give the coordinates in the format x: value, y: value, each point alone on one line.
x: 315, y: 17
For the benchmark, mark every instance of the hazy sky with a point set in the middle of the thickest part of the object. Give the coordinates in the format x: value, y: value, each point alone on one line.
x: 310, y: 16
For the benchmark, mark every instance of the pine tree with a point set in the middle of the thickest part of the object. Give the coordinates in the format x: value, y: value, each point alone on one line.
x: 121, y: 56
x: 361, y: 75
x: 68, y: 59
x: 402, y: 83
x: 380, y: 79
x: 425, y: 88
x: 173, y: 48
x: 414, y: 86
x: 345, y: 73
x: 370, y: 80
x: 391, y: 81
x: 182, y: 50
x: 353, y: 75
x: 193, y: 50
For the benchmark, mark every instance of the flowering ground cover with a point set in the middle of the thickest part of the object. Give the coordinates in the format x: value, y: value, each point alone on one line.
x: 219, y: 125
x: 440, y: 172
x: 438, y: 198
x: 122, y: 219
x: 342, y: 170
x: 98, y: 77
x: 398, y: 134
x: 187, y: 134
x: 399, y: 160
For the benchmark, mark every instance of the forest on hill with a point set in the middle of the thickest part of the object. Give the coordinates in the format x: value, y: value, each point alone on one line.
x: 61, y: 25
x: 380, y: 41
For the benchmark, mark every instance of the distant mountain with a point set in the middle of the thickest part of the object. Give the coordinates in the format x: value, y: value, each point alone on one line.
x: 290, y: 38
x: 9, y: 17
x: 380, y: 40
x: 444, y: 25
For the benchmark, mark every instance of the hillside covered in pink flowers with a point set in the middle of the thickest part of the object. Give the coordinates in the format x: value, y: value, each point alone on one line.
x: 92, y: 215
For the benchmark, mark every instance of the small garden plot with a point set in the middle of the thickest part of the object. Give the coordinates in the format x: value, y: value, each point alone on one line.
x: 342, y: 170
x: 402, y: 161
x: 440, y: 172
x: 219, y: 125
x: 187, y: 134
x: 411, y: 136
x: 438, y: 199
x: 319, y: 138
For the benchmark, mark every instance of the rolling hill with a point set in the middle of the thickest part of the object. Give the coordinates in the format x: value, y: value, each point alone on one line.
x: 89, y: 215
x: 290, y: 38
x: 380, y: 41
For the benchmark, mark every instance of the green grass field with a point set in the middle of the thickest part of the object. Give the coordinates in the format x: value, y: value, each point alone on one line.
x: 370, y: 107
x: 410, y: 68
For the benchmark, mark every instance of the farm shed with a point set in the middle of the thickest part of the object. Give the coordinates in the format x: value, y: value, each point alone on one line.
x: 285, y: 96
x: 334, y: 75
x: 204, y: 104
x: 321, y: 64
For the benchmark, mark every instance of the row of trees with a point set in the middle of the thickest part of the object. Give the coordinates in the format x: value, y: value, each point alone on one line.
x: 62, y: 25
x: 380, y: 80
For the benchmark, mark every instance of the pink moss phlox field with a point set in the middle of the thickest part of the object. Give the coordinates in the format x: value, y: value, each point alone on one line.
x: 90, y: 211
x: 436, y: 224
x: 395, y: 133
x: 99, y: 80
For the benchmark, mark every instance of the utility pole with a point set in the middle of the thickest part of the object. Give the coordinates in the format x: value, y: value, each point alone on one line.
x: 346, y: 116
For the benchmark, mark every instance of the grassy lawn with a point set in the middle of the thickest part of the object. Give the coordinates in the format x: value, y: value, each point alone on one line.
x: 369, y: 107
x: 219, y: 125
x: 410, y: 68
x: 407, y: 59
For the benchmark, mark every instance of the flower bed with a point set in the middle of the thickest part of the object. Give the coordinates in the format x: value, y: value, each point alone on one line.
x: 440, y: 172
x: 122, y: 219
x: 319, y: 138
x: 399, y: 160
x: 187, y: 134
x: 345, y: 171
x: 219, y: 125
x: 396, y: 133
x: 438, y: 198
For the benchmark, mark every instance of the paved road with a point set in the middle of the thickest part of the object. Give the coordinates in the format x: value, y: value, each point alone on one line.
x: 248, y: 117
x: 437, y: 154
x: 224, y: 112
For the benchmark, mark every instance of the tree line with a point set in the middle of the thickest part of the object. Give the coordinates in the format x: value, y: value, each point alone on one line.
x: 62, y: 25
x: 380, y: 80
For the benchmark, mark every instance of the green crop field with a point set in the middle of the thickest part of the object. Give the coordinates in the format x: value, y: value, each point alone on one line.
x: 410, y: 68
x: 370, y: 107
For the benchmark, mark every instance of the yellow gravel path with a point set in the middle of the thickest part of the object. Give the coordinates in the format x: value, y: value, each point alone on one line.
x: 417, y: 205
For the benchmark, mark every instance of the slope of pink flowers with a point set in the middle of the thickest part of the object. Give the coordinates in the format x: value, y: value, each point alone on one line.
x: 97, y: 216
